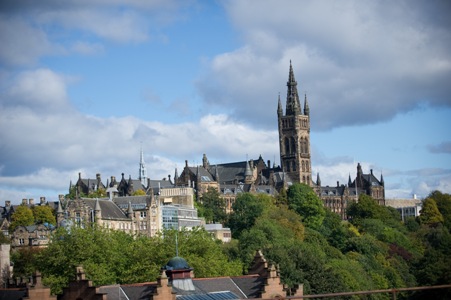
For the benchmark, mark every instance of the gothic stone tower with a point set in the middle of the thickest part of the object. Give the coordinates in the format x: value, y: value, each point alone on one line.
x: 294, y: 135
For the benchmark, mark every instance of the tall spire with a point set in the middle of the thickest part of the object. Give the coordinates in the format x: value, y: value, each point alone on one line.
x: 279, y: 107
x: 306, y: 108
x: 293, y: 104
x: 142, y: 169
x: 318, y: 180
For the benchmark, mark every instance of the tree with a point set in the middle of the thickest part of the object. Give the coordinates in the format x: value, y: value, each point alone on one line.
x: 303, y: 200
x: 246, y: 209
x: 429, y: 213
x: 23, y: 216
x: 443, y: 202
x: 43, y: 214
x: 99, y: 193
x: 139, y: 193
x: 214, y: 206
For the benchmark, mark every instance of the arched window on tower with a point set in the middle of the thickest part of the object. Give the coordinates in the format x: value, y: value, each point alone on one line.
x: 287, y: 146
x: 293, y: 145
x: 303, y: 166
x: 293, y: 166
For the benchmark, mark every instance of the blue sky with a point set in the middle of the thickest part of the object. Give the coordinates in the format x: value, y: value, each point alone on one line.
x: 83, y: 84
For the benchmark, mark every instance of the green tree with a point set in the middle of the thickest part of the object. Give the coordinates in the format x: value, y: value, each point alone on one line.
x: 214, y: 206
x: 429, y: 214
x: 43, y: 214
x: 22, y: 216
x: 139, y: 193
x: 303, y: 200
x: 246, y: 209
x: 99, y: 193
x: 443, y: 202
x: 368, y: 208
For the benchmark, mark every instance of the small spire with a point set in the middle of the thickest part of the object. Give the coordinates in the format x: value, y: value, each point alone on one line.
x: 349, y: 180
x: 318, y: 180
x: 97, y: 207
x: 382, y: 179
x: 130, y: 209
x: 60, y: 208
x: 306, y: 108
x: 279, y: 107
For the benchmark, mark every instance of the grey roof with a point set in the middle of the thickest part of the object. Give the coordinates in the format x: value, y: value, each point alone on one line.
x: 211, y: 296
x: 109, y: 209
x: 132, y: 292
x: 137, y: 202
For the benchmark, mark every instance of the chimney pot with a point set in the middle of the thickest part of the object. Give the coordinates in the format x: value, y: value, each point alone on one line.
x: 25, y: 201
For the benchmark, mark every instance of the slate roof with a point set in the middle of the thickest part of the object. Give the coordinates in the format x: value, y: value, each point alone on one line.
x: 137, y: 202
x: 220, y: 288
x: 109, y: 209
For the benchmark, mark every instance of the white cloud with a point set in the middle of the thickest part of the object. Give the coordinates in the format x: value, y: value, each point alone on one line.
x: 22, y: 44
x: 359, y: 58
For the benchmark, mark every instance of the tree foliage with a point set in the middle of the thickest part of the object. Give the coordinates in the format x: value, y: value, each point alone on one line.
x: 44, y: 214
x: 303, y: 200
x: 23, y: 216
x: 110, y: 257
x: 214, y: 207
x: 429, y: 214
x: 246, y: 209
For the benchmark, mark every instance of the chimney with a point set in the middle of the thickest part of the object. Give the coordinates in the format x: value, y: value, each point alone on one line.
x: 61, y: 197
x: 31, y: 201
x: 338, y: 183
x: 25, y: 201
x: 42, y: 200
x: 371, y: 171
x: 186, y: 163
x: 7, y: 203
x: 269, y: 163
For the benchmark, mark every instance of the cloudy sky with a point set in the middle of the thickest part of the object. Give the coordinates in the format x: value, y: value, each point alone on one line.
x: 85, y: 84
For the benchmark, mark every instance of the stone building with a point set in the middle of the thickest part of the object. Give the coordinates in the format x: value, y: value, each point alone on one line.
x: 32, y: 235
x: 256, y: 176
x: 232, y: 179
x: 163, y: 206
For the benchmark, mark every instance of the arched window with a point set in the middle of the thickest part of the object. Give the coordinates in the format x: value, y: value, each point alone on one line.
x: 287, y: 146
x: 293, y: 166
x: 303, y: 179
x: 293, y: 145
x: 288, y: 166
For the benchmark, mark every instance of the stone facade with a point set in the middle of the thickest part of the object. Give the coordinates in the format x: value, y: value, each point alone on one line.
x: 32, y: 235
x: 256, y: 176
x: 164, y: 206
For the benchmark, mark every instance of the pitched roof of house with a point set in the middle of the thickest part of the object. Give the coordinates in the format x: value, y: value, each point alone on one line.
x: 109, y: 209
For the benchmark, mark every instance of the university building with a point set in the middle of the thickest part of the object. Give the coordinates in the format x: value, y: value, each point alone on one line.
x: 258, y: 176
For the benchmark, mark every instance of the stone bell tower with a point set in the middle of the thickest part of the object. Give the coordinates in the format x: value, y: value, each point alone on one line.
x: 294, y: 134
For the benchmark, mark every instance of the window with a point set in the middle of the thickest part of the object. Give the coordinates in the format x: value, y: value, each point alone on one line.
x: 143, y: 214
x: 21, y: 241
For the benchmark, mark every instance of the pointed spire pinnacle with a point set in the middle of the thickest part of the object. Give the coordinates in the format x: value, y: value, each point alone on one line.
x: 97, y: 207
x: 60, y: 208
x: 382, y: 179
x: 306, y: 107
x: 176, y: 177
x: 279, y: 107
x: 318, y: 180
x: 293, y: 106
x: 349, y: 180
x: 142, y: 168
x: 248, y: 171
